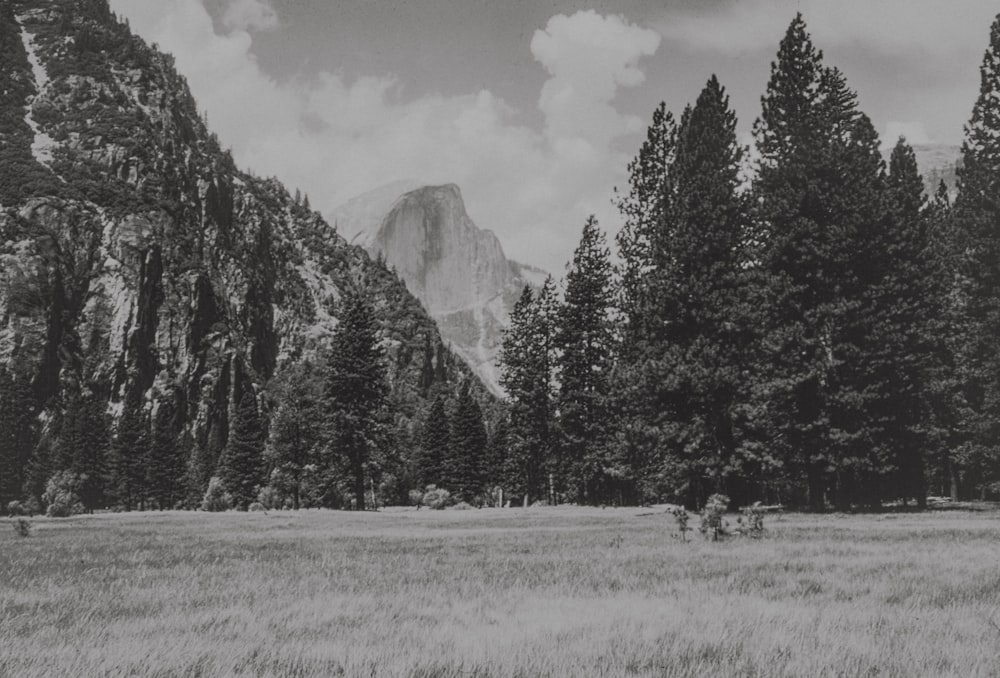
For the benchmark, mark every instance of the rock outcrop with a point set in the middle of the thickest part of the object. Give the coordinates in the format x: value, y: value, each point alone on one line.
x: 456, y: 269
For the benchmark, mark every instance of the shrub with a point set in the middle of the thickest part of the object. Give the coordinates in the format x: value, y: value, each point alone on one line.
x: 270, y: 497
x: 461, y: 506
x: 752, y: 521
x: 216, y: 498
x: 62, y: 495
x: 436, y: 498
x: 22, y: 528
x: 681, y: 518
x: 256, y: 507
x: 712, y: 524
x: 417, y: 498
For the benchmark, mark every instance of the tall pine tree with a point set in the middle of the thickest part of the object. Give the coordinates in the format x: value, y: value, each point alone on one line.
x: 241, y: 467
x: 976, y: 215
x: 585, y: 341
x: 434, y: 445
x: 356, y: 388
x: 464, y: 467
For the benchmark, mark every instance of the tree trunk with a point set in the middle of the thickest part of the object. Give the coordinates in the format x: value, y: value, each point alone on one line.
x: 359, y: 484
x: 953, y: 480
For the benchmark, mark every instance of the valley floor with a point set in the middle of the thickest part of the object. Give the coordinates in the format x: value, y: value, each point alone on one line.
x: 494, y: 592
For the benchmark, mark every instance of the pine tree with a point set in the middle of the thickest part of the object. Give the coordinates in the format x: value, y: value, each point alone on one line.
x: 202, y: 464
x: 434, y: 445
x: 241, y: 467
x: 497, y: 453
x: 701, y: 290
x: 83, y: 449
x: 296, y: 427
x: 585, y: 340
x: 976, y: 215
x: 130, y: 455
x: 820, y: 198
x: 463, y: 468
x: 17, y: 435
x: 526, y: 372
x: 356, y: 388
x: 166, y: 459
x: 643, y: 209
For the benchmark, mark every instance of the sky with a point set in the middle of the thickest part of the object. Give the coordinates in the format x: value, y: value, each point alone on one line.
x: 533, y: 107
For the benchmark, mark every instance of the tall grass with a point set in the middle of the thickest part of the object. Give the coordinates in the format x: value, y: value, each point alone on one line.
x: 537, y: 592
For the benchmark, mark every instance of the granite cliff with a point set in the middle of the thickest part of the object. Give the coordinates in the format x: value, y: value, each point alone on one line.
x: 456, y: 269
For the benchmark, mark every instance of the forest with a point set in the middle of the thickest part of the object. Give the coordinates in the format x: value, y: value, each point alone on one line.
x: 798, y: 324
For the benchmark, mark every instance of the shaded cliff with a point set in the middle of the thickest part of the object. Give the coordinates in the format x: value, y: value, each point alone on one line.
x: 137, y: 260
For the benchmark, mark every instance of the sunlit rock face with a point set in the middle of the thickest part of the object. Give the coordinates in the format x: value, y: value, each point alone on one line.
x: 456, y: 269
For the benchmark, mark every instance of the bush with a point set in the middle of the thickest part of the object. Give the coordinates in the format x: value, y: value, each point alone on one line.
x: 417, y: 498
x: 22, y: 528
x: 681, y: 518
x: 216, y: 498
x: 270, y: 497
x: 461, y: 506
x: 712, y: 524
x: 752, y: 521
x: 436, y: 498
x: 256, y: 507
x: 62, y: 495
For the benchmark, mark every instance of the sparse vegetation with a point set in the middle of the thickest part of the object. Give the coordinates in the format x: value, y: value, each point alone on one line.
x: 553, y: 592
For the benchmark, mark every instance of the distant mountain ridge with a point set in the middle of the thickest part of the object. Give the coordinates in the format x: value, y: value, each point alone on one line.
x: 458, y: 271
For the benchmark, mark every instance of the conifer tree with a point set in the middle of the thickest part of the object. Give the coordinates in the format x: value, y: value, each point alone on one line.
x: 356, y: 388
x: 296, y: 430
x: 462, y: 470
x: 497, y: 452
x: 819, y: 196
x: 643, y: 209
x: 83, y: 449
x: 166, y: 459
x: 585, y: 341
x: 241, y: 467
x: 526, y: 372
x: 130, y: 455
x: 434, y: 445
x: 976, y: 215
x: 701, y: 290
x: 17, y: 435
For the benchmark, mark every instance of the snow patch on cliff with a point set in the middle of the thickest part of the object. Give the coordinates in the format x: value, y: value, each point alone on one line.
x: 42, y: 145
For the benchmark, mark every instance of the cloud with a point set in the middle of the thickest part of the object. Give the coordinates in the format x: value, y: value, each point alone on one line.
x: 891, y: 27
x: 250, y: 15
x: 335, y: 138
x: 589, y: 57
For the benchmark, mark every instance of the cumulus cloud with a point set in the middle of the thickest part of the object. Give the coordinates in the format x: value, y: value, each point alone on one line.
x: 250, y: 15
x: 335, y: 138
x: 930, y: 27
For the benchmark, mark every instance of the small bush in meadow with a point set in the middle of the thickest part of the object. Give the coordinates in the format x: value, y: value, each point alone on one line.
x: 416, y: 498
x: 461, y: 506
x: 752, y: 521
x: 712, y: 524
x: 22, y: 528
x: 216, y: 498
x: 62, y: 495
x: 681, y: 518
x: 436, y: 498
x: 270, y: 497
x: 256, y: 507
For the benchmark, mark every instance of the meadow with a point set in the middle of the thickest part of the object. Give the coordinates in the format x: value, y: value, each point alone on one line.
x: 498, y: 592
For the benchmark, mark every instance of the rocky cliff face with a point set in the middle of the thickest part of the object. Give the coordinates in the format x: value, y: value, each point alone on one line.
x: 137, y: 259
x: 457, y: 270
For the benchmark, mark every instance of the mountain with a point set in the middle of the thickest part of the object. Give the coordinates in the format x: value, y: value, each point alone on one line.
x: 456, y: 269
x: 137, y: 260
x: 937, y: 163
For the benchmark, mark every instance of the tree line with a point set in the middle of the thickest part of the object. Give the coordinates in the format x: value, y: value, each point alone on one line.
x: 804, y: 326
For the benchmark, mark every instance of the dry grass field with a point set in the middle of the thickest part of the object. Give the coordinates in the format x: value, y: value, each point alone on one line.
x: 536, y: 592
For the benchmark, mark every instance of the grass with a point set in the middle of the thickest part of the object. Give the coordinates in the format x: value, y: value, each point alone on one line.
x: 537, y: 592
